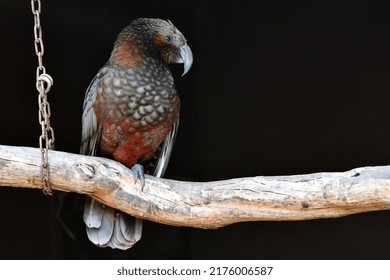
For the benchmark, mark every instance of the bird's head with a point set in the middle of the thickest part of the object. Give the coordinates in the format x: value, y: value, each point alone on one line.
x: 156, y: 37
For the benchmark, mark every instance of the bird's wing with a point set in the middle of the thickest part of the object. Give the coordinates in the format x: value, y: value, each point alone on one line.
x: 91, y: 131
x: 164, y: 151
x: 90, y: 138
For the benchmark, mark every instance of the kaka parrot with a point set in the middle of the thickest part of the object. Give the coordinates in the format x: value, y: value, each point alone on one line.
x: 131, y: 114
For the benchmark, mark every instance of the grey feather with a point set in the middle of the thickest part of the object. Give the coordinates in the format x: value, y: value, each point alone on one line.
x: 91, y: 131
x: 117, y: 240
x: 93, y: 213
x: 131, y: 234
x: 102, y: 235
x: 127, y: 232
x: 166, y: 149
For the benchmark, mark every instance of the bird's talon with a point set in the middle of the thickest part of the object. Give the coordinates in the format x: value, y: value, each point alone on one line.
x: 138, y: 172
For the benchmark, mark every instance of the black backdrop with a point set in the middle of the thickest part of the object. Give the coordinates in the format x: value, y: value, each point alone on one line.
x: 277, y: 88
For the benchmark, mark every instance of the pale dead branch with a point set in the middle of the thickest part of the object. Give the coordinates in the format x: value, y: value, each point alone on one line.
x: 205, y: 205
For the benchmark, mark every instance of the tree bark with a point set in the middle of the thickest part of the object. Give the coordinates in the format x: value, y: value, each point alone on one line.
x: 204, y: 205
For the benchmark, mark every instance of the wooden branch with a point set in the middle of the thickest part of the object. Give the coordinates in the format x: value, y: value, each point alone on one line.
x: 205, y: 205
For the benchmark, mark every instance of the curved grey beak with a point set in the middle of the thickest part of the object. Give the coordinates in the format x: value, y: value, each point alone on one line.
x: 186, y: 58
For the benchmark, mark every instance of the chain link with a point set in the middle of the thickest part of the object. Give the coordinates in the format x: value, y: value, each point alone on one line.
x: 43, y: 84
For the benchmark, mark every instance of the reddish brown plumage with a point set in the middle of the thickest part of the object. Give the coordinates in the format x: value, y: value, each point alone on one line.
x: 126, y: 54
x: 127, y: 143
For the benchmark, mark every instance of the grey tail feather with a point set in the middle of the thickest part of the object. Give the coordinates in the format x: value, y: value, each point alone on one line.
x: 109, y: 227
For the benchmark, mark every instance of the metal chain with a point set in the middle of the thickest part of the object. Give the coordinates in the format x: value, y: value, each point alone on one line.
x: 43, y: 84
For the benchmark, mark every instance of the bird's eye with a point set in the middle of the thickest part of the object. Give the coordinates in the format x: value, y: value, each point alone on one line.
x: 168, y: 39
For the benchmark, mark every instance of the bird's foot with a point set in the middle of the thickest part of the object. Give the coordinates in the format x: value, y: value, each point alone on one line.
x: 139, y: 174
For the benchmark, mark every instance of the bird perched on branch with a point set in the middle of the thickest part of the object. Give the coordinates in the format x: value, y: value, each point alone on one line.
x: 131, y: 114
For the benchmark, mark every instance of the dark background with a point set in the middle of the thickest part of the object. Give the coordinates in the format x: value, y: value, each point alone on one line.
x: 276, y: 88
